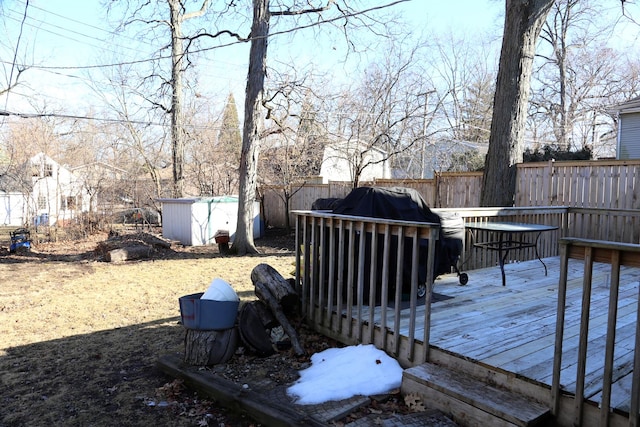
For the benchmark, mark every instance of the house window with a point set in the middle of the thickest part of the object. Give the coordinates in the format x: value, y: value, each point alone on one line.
x: 48, y: 169
x: 42, y: 202
x: 35, y: 170
x: 67, y: 202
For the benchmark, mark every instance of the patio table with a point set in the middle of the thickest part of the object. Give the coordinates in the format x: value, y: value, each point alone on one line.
x: 507, y: 236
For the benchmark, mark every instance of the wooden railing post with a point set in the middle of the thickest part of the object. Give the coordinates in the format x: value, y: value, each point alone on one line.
x: 557, y: 355
x: 615, y: 254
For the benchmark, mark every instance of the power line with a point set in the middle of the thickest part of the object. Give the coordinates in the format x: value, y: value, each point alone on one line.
x: 67, y: 37
x: 111, y: 34
x: 98, y: 119
x: 222, y: 45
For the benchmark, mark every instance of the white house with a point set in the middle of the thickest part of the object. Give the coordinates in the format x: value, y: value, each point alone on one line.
x: 628, y: 145
x: 12, y: 200
x: 12, y: 208
x: 57, y: 195
x: 41, y: 193
x: 342, y: 159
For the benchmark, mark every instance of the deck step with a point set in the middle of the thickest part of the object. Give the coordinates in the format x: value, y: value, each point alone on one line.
x: 470, y: 401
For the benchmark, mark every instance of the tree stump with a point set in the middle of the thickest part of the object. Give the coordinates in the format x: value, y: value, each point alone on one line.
x: 203, y: 348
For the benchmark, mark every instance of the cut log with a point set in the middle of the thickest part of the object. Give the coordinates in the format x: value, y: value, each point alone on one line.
x: 263, y: 292
x: 279, y: 288
x: 203, y: 348
x: 129, y: 253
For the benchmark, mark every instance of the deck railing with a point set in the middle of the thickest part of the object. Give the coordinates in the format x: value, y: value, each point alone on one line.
x: 347, y: 267
x: 475, y: 258
x: 617, y: 255
x: 613, y: 225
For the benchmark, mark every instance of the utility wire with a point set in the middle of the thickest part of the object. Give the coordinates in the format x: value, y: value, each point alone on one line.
x: 42, y: 24
x: 222, y: 45
x: 15, y: 53
x: 98, y: 119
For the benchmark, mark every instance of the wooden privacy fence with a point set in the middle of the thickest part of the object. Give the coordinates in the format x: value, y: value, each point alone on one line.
x: 445, y: 190
x: 608, y: 184
x: 474, y: 258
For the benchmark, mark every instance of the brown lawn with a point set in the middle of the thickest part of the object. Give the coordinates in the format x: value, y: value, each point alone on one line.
x: 79, y: 337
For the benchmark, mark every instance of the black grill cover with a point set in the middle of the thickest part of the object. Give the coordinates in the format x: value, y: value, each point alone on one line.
x: 391, y: 203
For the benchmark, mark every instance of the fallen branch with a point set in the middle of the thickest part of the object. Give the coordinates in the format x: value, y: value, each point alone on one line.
x: 262, y: 290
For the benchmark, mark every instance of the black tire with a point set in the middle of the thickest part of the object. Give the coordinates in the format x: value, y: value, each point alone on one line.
x: 422, y: 291
x: 464, y: 278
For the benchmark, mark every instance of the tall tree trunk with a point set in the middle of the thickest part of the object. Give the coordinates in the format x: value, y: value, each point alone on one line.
x: 177, y: 132
x: 178, y: 16
x: 523, y: 22
x: 243, y: 241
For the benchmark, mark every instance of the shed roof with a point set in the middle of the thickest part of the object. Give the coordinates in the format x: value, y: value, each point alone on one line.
x: 192, y: 200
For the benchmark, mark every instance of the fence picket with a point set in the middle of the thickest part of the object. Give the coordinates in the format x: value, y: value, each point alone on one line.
x: 607, y: 184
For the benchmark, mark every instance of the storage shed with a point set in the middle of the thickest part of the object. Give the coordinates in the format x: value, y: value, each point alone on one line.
x: 195, y: 221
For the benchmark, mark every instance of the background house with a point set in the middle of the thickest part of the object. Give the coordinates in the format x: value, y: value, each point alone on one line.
x: 12, y: 201
x: 343, y: 160
x: 57, y: 195
x: 628, y: 146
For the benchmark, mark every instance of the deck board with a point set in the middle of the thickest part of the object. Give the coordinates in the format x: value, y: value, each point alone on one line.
x: 512, y: 327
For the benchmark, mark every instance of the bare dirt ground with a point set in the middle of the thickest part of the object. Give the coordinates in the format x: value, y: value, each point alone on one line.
x: 79, y: 337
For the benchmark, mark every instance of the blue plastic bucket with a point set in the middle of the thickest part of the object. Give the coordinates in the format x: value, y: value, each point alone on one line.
x: 203, y: 314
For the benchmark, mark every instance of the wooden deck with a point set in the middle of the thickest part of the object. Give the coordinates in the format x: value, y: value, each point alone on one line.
x: 512, y: 328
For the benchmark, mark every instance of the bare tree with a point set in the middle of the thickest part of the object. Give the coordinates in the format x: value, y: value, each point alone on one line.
x: 214, y: 150
x: 262, y: 14
x: 178, y: 14
x: 293, y: 149
x: 463, y: 74
x: 555, y: 32
x: 523, y: 23
x: 137, y: 142
x: 578, y: 77
x: 243, y: 241
x: 12, y: 70
x: 178, y: 63
x: 384, y: 117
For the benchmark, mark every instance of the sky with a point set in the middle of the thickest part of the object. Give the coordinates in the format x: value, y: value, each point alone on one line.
x: 75, y: 34
x: 65, y: 38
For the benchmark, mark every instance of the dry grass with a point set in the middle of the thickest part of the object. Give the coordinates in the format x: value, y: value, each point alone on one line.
x: 79, y: 337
